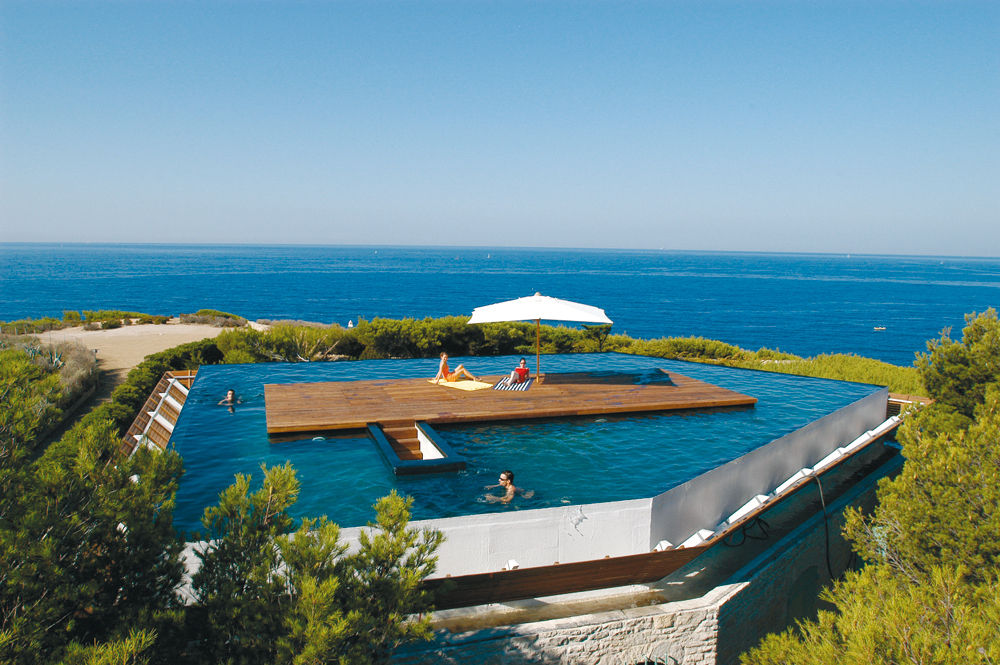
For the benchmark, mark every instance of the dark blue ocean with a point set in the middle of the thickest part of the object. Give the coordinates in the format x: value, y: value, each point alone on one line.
x: 802, y: 303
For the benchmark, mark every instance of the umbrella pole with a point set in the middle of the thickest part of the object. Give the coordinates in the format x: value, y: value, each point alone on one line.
x: 538, y: 350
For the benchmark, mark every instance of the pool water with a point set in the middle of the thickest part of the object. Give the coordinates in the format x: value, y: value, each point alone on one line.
x: 563, y: 461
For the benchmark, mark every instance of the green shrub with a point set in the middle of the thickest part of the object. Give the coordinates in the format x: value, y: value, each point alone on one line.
x: 238, y: 357
x: 30, y: 326
x: 110, y: 314
x: 78, y: 373
x: 111, y: 324
x: 686, y: 348
x: 215, y: 312
x: 30, y: 395
x: 214, y: 317
x: 843, y: 367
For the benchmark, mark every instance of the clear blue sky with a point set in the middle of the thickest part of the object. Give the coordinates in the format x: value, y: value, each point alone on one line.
x: 774, y: 126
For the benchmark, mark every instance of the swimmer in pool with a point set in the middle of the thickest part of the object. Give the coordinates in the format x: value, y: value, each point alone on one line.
x: 230, y: 400
x: 447, y: 375
x: 507, y: 483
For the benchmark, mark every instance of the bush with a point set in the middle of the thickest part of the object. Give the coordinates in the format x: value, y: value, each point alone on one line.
x: 30, y: 326
x: 687, y: 348
x: 111, y: 324
x: 842, y: 367
x: 74, y: 366
x: 215, y: 312
x: 214, y: 317
x: 111, y: 315
x: 78, y: 373
x: 30, y: 394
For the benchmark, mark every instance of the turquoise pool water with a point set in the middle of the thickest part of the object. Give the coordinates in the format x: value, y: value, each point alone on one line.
x: 564, y: 461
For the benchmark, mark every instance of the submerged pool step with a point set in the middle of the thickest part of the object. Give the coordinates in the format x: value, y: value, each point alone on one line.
x: 414, y: 447
x: 404, y: 440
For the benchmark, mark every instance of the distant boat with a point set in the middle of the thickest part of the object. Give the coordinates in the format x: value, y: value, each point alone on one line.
x: 879, y: 328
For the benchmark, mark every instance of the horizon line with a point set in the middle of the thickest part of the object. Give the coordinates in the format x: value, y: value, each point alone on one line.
x: 546, y: 248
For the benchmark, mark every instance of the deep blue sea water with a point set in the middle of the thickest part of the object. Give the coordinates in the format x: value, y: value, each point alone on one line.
x: 803, y: 303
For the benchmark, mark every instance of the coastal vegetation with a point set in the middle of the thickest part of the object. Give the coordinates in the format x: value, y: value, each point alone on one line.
x: 47, y: 378
x: 106, y: 319
x: 929, y: 591
x: 426, y: 338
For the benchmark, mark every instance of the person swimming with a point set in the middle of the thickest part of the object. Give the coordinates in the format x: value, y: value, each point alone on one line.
x: 230, y: 400
x: 447, y: 375
x: 510, y: 490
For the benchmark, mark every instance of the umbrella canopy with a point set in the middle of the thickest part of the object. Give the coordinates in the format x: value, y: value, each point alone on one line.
x: 535, y: 308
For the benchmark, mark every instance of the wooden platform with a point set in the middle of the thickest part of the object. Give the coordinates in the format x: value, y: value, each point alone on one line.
x: 346, y: 405
x: 507, y: 585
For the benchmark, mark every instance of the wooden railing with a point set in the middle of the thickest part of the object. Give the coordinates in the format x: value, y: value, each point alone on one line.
x: 899, y: 403
x: 155, y: 422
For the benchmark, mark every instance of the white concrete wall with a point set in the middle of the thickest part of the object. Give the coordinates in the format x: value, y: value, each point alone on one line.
x: 705, y: 501
x: 485, y: 543
x: 427, y: 448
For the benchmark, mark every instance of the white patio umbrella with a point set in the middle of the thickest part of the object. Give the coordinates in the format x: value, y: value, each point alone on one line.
x: 535, y: 308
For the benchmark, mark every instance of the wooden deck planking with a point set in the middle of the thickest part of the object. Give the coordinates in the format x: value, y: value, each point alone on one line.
x: 318, y: 407
x: 507, y: 585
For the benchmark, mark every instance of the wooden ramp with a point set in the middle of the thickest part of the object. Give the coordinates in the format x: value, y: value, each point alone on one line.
x: 347, y: 405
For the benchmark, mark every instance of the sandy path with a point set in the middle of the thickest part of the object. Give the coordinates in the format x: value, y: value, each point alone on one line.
x: 124, y: 348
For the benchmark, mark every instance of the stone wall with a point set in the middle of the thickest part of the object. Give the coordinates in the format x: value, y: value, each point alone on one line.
x: 682, y: 632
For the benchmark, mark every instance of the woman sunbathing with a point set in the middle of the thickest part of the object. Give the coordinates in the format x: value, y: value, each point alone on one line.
x: 519, y: 375
x: 447, y: 375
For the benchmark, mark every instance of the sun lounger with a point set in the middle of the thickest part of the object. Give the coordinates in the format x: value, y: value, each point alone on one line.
x: 521, y: 387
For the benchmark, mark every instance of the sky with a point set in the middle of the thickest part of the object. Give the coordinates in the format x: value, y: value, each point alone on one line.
x: 809, y: 126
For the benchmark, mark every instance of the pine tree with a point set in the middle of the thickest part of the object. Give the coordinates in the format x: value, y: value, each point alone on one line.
x: 930, y: 592
x: 265, y: 596
x: 240, y: 591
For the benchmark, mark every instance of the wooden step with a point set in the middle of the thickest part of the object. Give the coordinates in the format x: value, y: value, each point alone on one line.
x: 402, y: 436
x: 409, y: 433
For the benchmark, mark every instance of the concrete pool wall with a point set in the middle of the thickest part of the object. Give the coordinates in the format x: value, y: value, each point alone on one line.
x: 491, y: 542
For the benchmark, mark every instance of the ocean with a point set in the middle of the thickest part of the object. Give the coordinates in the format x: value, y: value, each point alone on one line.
x: 805, y: 304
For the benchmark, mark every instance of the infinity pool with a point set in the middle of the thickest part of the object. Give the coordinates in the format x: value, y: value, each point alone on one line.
x: 564, y: 461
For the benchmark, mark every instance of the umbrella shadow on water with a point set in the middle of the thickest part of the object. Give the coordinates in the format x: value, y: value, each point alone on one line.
x: 603, y: 377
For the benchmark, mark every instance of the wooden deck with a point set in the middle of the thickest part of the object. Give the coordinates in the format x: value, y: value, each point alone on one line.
x: 346, y: 405
x: 507, y: 585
